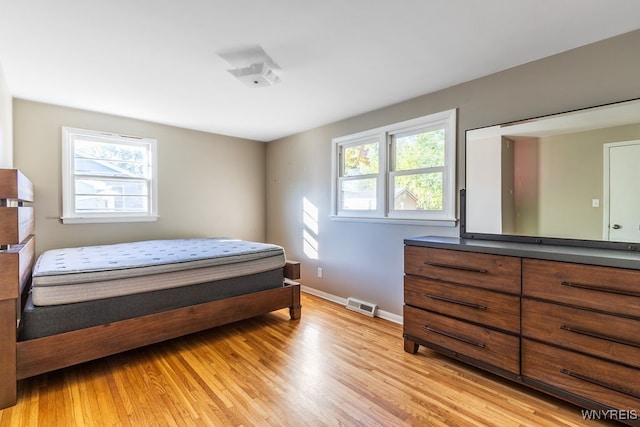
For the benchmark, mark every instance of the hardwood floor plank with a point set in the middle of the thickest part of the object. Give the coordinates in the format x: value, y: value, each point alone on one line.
x: 332, y: 367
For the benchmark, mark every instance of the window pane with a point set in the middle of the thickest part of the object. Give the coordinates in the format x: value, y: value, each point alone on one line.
x: 101, y: 158
x: 359, y: 194
x: 360, y: 159
x: 111, y: 203
x: 102, y: 195
x: 110, y: 186
x: 418, y: 192
x: 421, y: 150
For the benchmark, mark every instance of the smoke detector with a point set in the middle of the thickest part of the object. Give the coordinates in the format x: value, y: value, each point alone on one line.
x: 252, y: 66
x: 256, y: 75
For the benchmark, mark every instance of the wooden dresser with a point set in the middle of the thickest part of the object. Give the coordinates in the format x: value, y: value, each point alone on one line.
x: 17, y: 251
x: 562, y: 320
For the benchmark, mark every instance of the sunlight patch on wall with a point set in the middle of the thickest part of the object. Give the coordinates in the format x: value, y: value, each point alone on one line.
x: 310, y: 245
x: 310, y: 231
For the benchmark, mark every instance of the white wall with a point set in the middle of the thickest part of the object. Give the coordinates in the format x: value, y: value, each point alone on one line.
x: 485, y: 185
x: 365, y: 260
x: 209, y: 185
x: 6, y: 124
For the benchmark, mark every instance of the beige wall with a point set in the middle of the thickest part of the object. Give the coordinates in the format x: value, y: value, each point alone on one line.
x: 6, y: 124
x: 567, y: 183
x: 364, y: 260
x: 571, y: 175
x: 209, y: 185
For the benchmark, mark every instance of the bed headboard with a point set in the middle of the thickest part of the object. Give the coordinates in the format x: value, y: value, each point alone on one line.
x: 17, y: 253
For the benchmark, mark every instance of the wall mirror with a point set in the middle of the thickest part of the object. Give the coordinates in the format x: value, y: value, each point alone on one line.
x: 570, y: 178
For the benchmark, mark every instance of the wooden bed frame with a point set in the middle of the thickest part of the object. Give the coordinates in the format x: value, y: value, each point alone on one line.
x: 23, y: 359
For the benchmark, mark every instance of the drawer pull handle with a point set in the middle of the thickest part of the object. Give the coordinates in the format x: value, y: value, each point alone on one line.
x: 600, y: 289
x: 456, y: 301
x: 599, y: 336
x: 455, y: 337
x: 456, y: 267
x: 600, y: 383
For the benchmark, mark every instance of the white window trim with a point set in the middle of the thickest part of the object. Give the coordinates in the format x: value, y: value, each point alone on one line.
x: 69, y: 216
x: 385, y: 213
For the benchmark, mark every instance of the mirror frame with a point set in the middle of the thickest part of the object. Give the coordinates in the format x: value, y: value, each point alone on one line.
x: 541, y: 240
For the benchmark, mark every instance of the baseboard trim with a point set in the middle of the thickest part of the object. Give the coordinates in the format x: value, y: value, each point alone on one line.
x: 392, y: 317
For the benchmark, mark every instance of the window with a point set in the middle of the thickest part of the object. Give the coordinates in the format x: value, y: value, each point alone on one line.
x: 359, y: 176
x: 404, y: 171
x: 107, y: 177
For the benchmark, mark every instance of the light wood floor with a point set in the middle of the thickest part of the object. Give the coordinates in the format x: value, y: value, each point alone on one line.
x: 333, y: 367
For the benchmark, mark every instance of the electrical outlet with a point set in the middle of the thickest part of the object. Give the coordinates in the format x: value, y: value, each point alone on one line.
x: 320, y: 272
x: 595, y: 203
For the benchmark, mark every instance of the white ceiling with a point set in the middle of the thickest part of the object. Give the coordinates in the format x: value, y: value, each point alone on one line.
x: 157, y: 60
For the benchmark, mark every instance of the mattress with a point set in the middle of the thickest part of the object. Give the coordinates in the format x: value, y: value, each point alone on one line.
x: 37, y: 322
x: 72, y: 275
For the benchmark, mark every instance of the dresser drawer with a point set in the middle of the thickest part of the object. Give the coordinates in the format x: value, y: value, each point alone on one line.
x: 613, y: 385
x: 488, y: 346
x: 604, y: 335
x: 613, y: 290
x: 490, y: 308
x: 495, y: 272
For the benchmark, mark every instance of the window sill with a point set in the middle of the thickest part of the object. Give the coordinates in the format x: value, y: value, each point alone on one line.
x: 399, y: 221
x: 100, y: 220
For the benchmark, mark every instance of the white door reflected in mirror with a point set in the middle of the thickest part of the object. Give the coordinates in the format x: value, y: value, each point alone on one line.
x: 622, y: 175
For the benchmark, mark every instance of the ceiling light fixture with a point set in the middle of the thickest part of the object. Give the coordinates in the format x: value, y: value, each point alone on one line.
x: 252, y: 66
x: 256, y: 75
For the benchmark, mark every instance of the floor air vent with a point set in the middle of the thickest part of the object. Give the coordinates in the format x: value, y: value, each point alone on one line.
x: 361, y: 306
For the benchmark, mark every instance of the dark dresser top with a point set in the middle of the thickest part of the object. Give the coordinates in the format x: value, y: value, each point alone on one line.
x: 592, y: 256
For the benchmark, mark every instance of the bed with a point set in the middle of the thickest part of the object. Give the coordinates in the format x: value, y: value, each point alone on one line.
x: 73, y: 305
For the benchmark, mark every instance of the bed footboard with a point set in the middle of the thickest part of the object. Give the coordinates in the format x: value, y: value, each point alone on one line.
x: 35, y: 356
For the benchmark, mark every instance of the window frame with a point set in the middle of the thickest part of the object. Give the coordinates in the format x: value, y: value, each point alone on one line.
x: 386, y: 211
x: 361, y: 140
x: 69, y: 213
